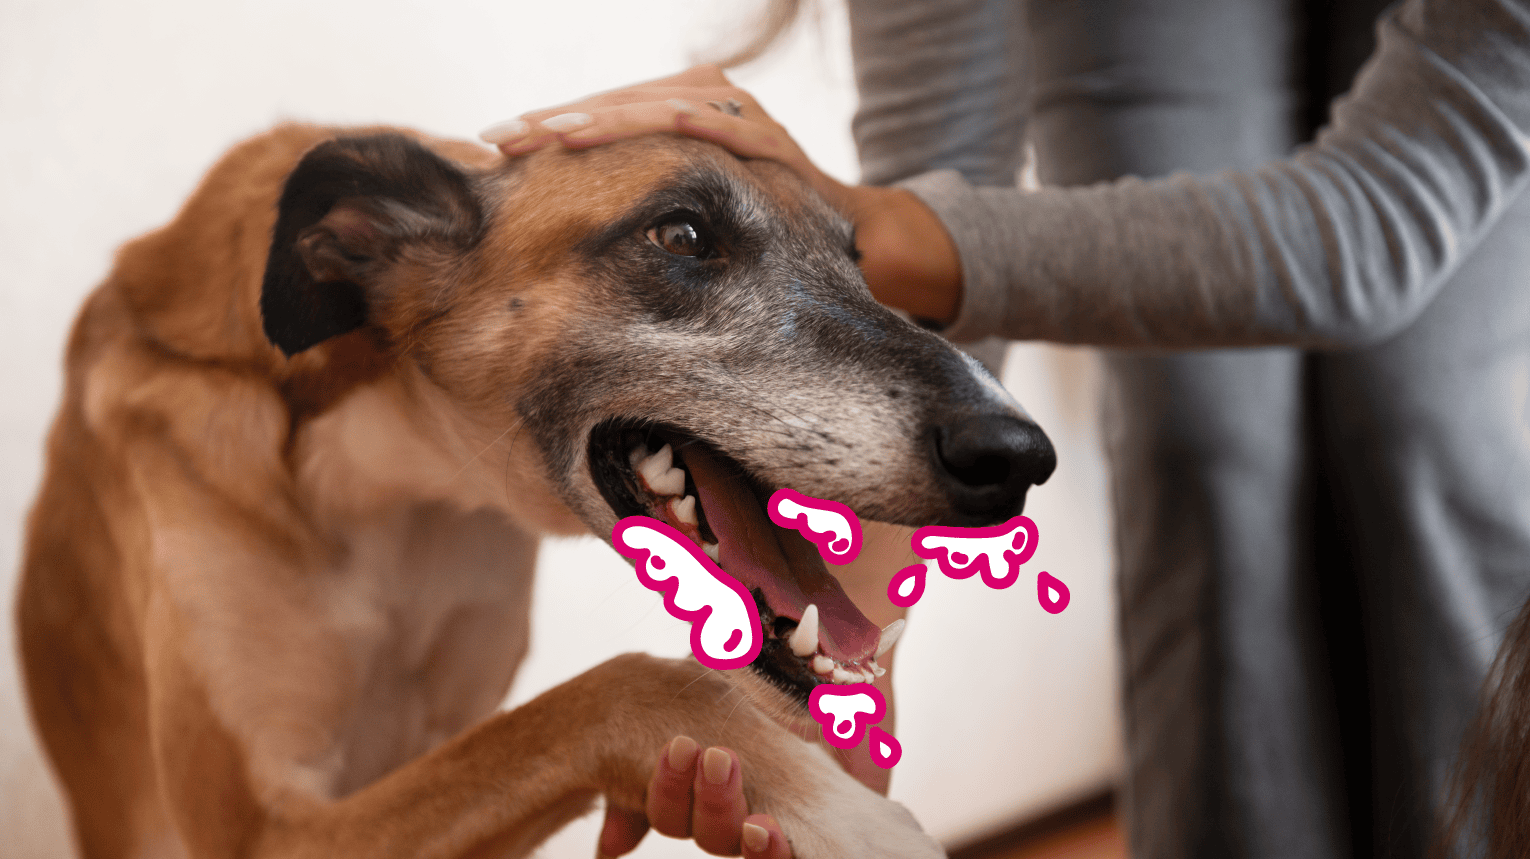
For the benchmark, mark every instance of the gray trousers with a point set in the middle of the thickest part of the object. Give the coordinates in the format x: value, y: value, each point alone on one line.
x: 1318, y: 552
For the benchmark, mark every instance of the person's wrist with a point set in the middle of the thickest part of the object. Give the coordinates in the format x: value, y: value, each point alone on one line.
x: 909, y: 260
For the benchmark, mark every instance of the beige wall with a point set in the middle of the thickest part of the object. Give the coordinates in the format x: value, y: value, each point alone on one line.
x: 110, y: 111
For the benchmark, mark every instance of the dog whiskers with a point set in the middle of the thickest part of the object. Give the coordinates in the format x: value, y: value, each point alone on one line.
x: 766, y: 409
x: 505, y: 474
x: 682, y: 689
x: 742, y: 699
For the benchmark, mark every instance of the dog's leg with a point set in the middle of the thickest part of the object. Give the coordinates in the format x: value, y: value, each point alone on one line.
x: 518, y: 777
x: 523, y: 774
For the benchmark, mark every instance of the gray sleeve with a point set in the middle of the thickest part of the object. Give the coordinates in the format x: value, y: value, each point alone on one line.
x: 1343, y: 244
x: 942, y: 86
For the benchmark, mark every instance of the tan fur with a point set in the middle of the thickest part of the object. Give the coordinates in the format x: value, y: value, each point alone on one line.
x: 255, y: 615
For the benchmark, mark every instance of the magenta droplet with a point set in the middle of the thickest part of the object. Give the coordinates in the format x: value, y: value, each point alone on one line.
x: 885, y: 748
x: 1046, y: 583
x: 907, y: 586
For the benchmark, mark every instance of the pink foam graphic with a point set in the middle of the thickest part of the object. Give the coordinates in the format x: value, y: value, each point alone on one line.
x: 725, y: 625
x: 846, y: 711
x: 965, y: 552
x: 1046, y: 583
x: 829, y: 525
x: 885, y: 748
x: 907, y: 586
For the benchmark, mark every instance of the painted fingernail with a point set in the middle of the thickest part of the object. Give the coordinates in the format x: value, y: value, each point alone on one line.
x: 756, y: 837
x: 504, y: 132
x: 568, y: 121
x: 682, y: 751
x: 716, y: 766
x: 682, y: 105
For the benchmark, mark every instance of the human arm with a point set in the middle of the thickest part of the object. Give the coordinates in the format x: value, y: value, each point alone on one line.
x: 1343, y: 244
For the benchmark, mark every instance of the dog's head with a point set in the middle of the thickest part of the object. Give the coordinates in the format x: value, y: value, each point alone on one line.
x: 653, y: 321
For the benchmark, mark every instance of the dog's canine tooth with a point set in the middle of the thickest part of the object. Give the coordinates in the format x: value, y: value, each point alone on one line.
x: 804, y: 639
x: 711, y: 550
x: 822, y: 664
x: 890, y: 635
x: 685, y: 510
x: 877, y: 669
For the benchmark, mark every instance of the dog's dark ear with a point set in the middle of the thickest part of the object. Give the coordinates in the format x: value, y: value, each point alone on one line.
x: 351, y: 207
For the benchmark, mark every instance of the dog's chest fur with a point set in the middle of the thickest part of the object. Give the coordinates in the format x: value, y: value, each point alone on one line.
x: 424, y: 605
x: 432, y: 606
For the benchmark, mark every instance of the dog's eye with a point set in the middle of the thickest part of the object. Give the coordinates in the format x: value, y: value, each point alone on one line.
x: 681, y: 238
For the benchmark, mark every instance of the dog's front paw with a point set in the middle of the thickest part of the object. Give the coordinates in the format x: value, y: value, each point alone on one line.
x: 827, y: 814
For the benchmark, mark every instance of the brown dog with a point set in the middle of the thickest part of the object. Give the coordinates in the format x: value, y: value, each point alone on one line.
x: 277, y: 577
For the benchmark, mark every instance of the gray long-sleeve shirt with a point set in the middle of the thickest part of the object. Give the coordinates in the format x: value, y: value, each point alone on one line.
x: 1343, y: 244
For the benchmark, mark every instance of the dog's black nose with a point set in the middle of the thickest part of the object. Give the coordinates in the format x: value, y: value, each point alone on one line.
x: 987, y: 461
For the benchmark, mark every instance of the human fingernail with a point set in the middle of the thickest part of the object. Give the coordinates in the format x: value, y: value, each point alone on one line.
x: 504, y: 132
x: 568, y: 121
x: 682, y: 105
x: 756, y: 837
x: 682, y: 751
x: 716, y: 766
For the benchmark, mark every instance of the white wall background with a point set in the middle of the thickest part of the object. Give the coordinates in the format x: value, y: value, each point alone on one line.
x: 110, y: 111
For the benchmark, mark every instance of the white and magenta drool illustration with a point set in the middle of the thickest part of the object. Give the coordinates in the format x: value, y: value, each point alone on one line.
x: 885, y: 748
x: 964, y: 552
x: 995, y: 554
x: 829, y: 525
x: 725, y: 626
x: 846, y: 712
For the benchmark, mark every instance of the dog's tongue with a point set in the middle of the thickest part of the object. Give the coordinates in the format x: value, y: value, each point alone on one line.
x: 778, y: 561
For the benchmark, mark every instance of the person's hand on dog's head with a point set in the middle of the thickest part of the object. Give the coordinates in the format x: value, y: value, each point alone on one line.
x: 700, y: 102
x: 909, y: 260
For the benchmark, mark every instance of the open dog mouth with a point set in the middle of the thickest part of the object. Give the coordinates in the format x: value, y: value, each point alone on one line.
x: 813, y: 632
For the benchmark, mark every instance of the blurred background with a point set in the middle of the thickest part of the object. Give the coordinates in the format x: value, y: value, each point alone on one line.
x: 109, y: 114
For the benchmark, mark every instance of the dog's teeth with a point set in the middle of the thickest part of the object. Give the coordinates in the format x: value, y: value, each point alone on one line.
x: 685, y: 510
x: 671, y: 482
x: 822, y: 664
x: 878, y: 670
x: 711, y: 550
x: 840, y: 675
x: 656, y: 465
x: 889, y: 637
x: 636, y: 456
x: 867, y: 676
x: 804, y: 640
